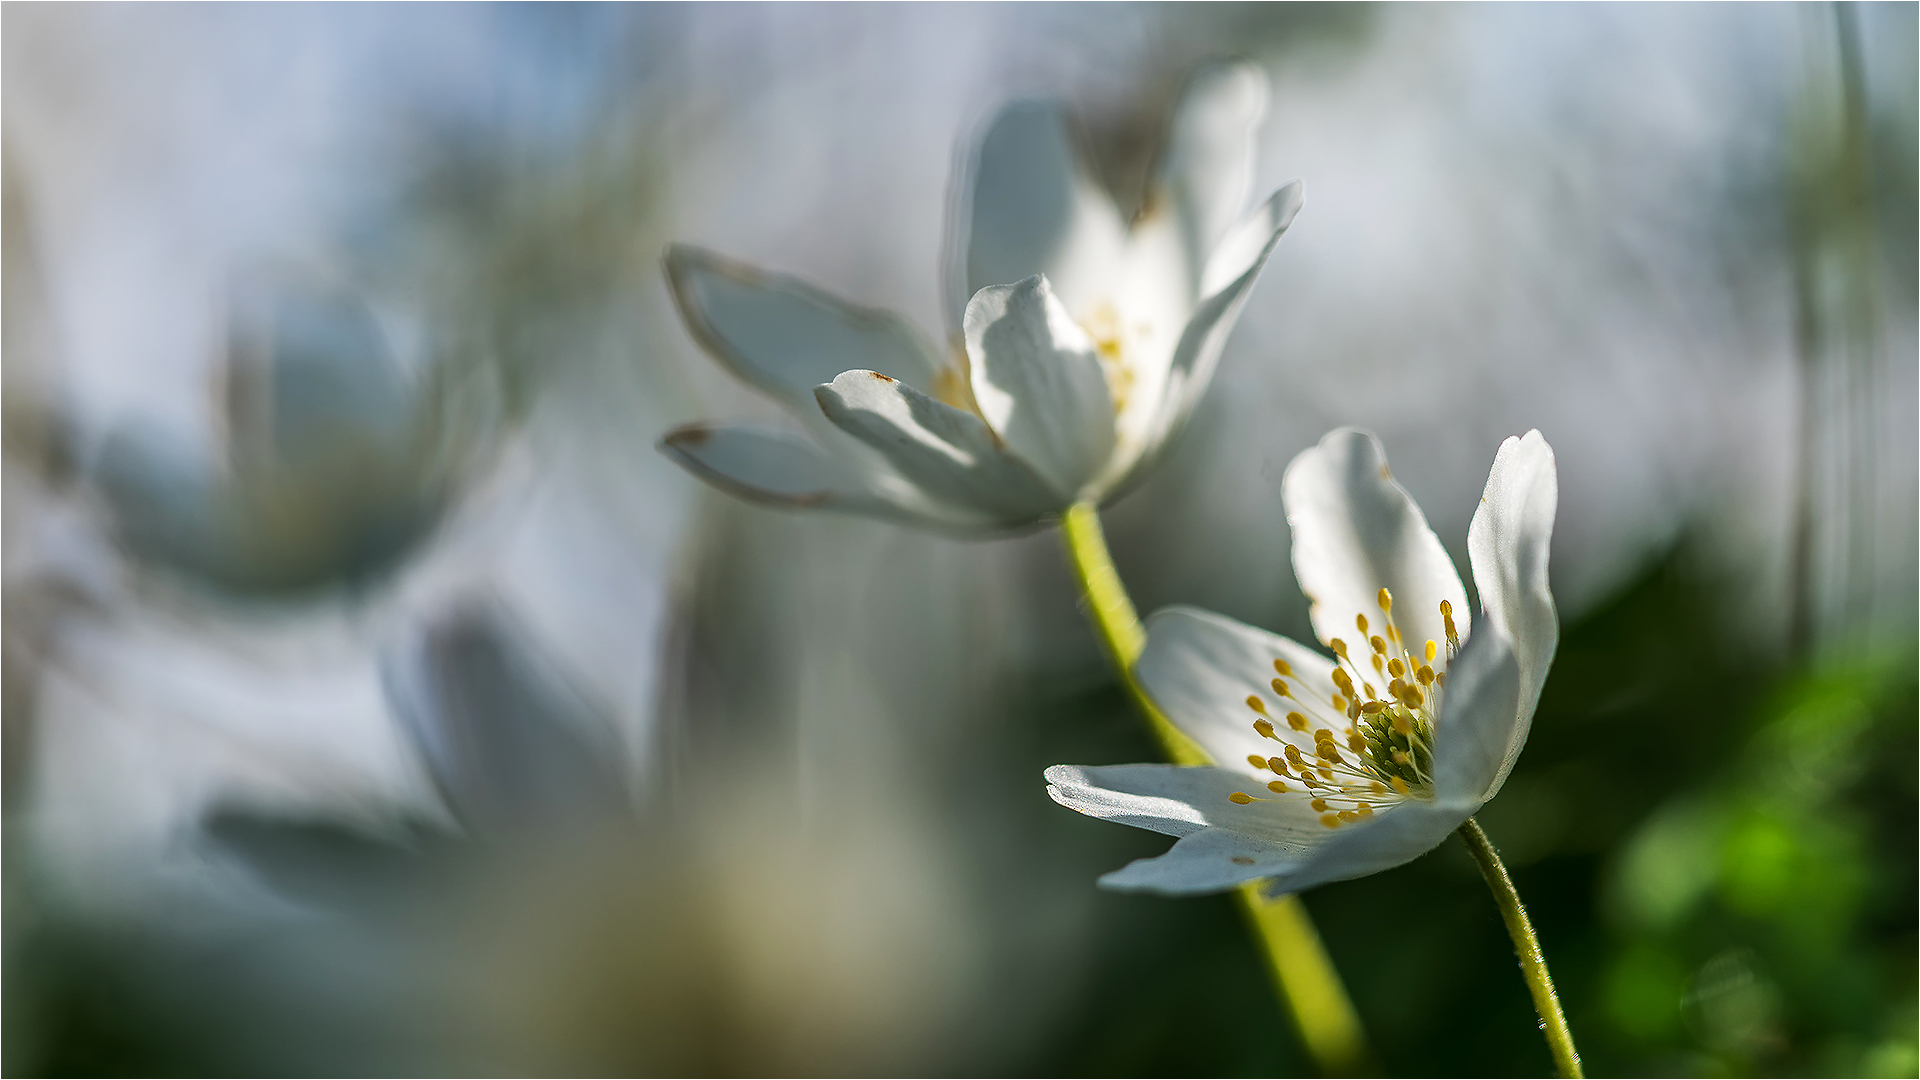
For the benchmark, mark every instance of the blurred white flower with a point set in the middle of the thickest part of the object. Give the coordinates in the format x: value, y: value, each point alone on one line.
x: 1368, y: 760
x: 1058, y: 387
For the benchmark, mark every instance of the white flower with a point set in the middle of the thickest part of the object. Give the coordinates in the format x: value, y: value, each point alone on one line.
x: 1330, y: 769
x: 1059, y: 387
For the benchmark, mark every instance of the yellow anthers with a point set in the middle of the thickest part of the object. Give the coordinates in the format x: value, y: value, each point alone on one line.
x: 1386, y: 601
x: 1396, y: 667
x: 1330, y: 821
x: 1254, y: 703
x: 1402, y: 724
x: 1282, y: 667
x: 1364, y: 810
x: 1399, y: 785
x: 1371, y: 707
x: 1265, y: 728
x: 1371, y: 692
x: 1379, y: 667
x: 1344, y: 681
x: 1433, y: 650
x: 1240, y: 798
x: 1278, y: 765
x: 1339, y: 648
x: 1360, y: 622
x: 1379, y: 644
x: 1326, y: 751
x: 1425, y: 674
x: 1412, y: 696
x: 1321, y: 735
x: 1326, y: 774
x: 1440, y: 680
x: 1400, y: 757
x: 1281, y: 688
x: 1293, y: 757
x: 1320, y: 805
x: 1339, y: 703
x: 1393, y: 633
x: 1453, y: 632
x: 1348, y: 815
x: 1296, y: 721
x: 1356, y: 744
x: 1256, y: 761
x: 1278, y: 787
x: 1376, y: 787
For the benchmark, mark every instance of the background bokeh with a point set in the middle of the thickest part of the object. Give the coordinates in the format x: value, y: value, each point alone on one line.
x: 377, y: 700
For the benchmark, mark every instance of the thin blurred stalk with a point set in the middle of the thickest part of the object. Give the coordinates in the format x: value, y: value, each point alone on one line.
x: 1834, y: 332
x: 1309, y: 986
x: 1533, y: 962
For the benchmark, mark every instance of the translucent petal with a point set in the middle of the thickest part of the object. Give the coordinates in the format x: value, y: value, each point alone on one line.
x: 950, y: 455
x: 1399, y: 834
x: 767, y: 465
x: 1479, y: 721
x: 1507, y: 546
x: 1200, y: 668
x: 1180, y: 799
x: 1356, y: 531
x: 1206, y: 168
x: 1038, y: 382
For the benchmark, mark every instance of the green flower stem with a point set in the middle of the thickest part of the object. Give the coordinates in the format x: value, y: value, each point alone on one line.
x: 1302, y: 971
x: 1533, y: 963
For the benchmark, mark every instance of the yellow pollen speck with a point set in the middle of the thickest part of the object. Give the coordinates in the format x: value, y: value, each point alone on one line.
x: 1386, y: 601
x: 1264, y: 728
x: 1319, y: 804
x: 1254, y: 703
x: 1283, y: 667
x: 1240, y: 798
x: 1281, y: 688
x: 1329, y: 821
x: 1360, y: 621
x: 1256, y: 761
x: 1400, y: 785
x: 1278, y: 765
x: 1276, y: 786
x: 1339, y: 648
x: 1425, y: 675
x: 1296, y: 721
x: 1379, y: 643
x: 1396, y: 667
x: 1433, y: 650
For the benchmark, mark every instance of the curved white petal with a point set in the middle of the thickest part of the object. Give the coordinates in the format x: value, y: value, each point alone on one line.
x: 1038, y: 382
x: 1507, y: 546
x: 948, y: 454
x: 1200, y: 668
x: 1181, y: 799
x: 765, y: 465
x: 1244, y: 252
x: 1356, y: 531
x: 1031, y: 209
x: 1206, y: 168
x: 1209, y: 861
x: 783, y: 335
x: 1399, y: 834
x: 1479, y: 720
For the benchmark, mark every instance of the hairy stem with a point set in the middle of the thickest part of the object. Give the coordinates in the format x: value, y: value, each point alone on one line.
x: 1308, y: 984
x: 1533, y: 963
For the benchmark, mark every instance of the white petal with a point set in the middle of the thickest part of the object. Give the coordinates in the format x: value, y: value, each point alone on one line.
x: 784, y: 336
x: 1206, y: 168
x: 1356, y: 531
x: 1479, y: 719
x: 767, y: 465
x: 1399, y: 834
x: 1239, y: 258
x: 1200, y: 668
x: 1507, y: 547
x: 1181, y: 799
x: 1209, y: 861
x: 1038, y: 382
x: 1033, y: 210
x: 949, y: 454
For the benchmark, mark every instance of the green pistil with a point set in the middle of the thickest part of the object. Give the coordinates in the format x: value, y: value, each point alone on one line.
x: 1383, y: 741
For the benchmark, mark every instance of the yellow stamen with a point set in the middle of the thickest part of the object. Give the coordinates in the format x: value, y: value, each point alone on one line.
x: 1296, y: 721
x: 1360, y: 621
x: 1264, y: 728
x: 1330, y: 821
x: 1281, y: 688
x: 1386, y: 601
x: 1256, y: 761
x: 1433, y: 650
x: 1240, y: 798
x: 1276, y: 786
x: 1254, y: 703
x: 1399, y: 785
x: 1320, y: 804
x: 1282, y: 667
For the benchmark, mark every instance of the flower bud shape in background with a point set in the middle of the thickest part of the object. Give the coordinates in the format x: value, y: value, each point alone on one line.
x: 1085, y: 345
x: 1330, y: 769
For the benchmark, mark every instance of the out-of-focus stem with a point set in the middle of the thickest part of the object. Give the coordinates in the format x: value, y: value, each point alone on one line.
x: 1309, y: 986
x: 1533, y: 963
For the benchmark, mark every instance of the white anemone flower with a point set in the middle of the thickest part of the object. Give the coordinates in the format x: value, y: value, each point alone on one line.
x: 1334, y: 767
x: 1085, y: 345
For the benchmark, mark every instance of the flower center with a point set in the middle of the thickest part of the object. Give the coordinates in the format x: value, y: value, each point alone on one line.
x: 1382, y: 710
x: 1103, y: 325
